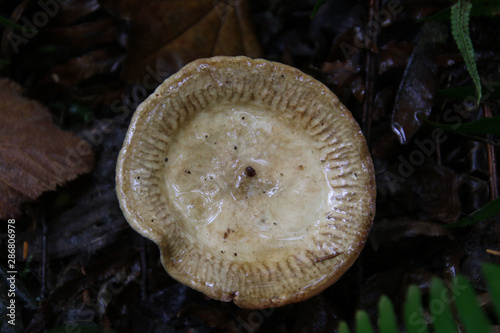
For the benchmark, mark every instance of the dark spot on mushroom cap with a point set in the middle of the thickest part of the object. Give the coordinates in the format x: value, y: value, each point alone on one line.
x: 166, y: 159
x: 250, y: 172
x: 235, y: 147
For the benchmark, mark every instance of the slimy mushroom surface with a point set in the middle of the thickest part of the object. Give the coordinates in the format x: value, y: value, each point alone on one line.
x: 252, y: 178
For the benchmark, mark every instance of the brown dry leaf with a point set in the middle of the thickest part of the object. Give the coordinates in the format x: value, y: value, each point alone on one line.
x: 166, y: 34
x: 35, y: 155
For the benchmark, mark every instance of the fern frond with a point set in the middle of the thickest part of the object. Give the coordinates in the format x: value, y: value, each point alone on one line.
x: 387, y: 318
x: 492, y: 274
x: 460, y: 17
x: 439, y: 306
x: 468, y: 313
x: 363, y: 324
x: 343, y: 328
x: 413, y: 312
x: 472, y: 316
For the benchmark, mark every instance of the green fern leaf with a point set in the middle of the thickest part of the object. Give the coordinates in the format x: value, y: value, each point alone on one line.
x: 10, y: 24
x: 492, y: 273
x: 387, y: 318
x: 492, y: 208
x: 460, y: 16
x: 470, y: 313
x: 363, y: 324
x: 317, y: 6
x: 439, y: 307
x: 343, y: 328
x: 463, y: 296
x: 413, y: 312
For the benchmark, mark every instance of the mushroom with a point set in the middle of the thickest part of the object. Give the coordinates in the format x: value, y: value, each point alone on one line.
x: 251, y: 177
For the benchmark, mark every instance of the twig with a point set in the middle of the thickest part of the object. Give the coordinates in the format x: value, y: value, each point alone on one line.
x: 492, y: 163
x: 370, y: 76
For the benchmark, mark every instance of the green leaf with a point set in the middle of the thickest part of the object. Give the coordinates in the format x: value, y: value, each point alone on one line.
x: 460, y: 92
x: 490, y: 209
x: 460, y: 16
x: 490, y: 125
x: 363, y: 324
x: 387, y: 318
x: 479, y: 8
x: 413, y: 312
x: 492, y: 274
x: 10, y: 24
x: 471, y: 315
x: 439, y: 307
x: 343, y: 328
x: 318, y: 4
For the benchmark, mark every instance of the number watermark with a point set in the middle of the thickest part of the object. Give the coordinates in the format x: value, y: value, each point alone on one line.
x: 11, y: 266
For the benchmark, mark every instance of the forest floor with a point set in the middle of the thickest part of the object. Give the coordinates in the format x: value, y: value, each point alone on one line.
x: 81, y: 268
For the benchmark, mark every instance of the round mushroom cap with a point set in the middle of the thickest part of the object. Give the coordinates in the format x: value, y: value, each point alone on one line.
x: 251, y: 177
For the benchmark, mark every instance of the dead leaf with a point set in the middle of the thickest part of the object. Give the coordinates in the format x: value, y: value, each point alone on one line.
x: 390, y: 231
x: 76, y: 54
x: 165, y: 35
x: 227, y: 317
x: 345, y: 79
x: 35, y: 155
x: 97, y: 220
x: 215, y: 315
x: 394, y: 54
x: 435, y: 191
x: 416, y: 92
x: 72, y: 78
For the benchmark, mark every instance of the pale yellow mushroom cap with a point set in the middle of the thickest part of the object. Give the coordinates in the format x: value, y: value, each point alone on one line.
x: 252, y: 178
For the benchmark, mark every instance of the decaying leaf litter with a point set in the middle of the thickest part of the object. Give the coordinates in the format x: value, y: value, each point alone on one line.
x: 94, y: 61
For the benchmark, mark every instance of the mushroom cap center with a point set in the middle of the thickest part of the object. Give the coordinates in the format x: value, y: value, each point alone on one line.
x: 227, y: 210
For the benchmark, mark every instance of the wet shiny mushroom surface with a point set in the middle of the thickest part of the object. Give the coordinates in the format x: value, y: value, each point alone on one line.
x: 252, y: 178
